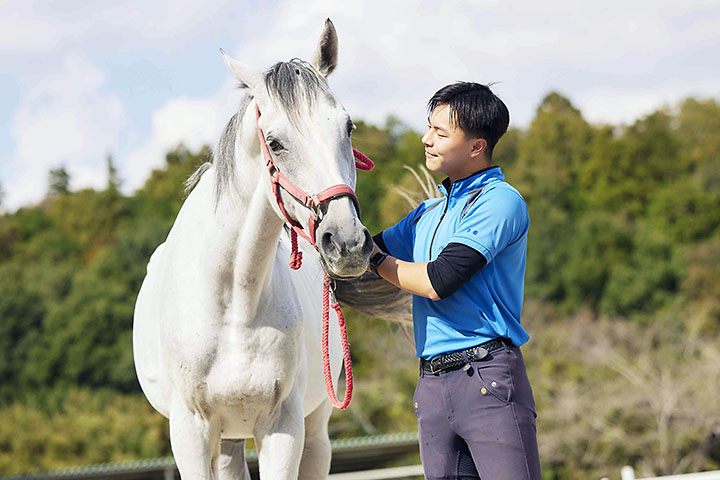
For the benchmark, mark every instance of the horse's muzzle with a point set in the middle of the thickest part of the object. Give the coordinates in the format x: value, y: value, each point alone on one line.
x: 345, y: 254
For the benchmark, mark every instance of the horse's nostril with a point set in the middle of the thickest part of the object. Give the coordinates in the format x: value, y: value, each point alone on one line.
x: 368, y: 244
x: 327, y: 242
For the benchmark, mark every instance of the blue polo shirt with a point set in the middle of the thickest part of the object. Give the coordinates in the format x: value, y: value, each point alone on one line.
x: 485, y: 213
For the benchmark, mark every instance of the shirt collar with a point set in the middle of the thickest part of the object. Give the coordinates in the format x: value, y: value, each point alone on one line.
x: 472, y: 182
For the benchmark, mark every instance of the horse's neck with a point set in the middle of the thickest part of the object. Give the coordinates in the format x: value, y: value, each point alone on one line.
x: 243, y: 246
x: 257, y: 243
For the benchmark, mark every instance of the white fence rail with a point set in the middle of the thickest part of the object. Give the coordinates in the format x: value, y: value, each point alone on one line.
x: 381, y: 474
x: 627, y: 473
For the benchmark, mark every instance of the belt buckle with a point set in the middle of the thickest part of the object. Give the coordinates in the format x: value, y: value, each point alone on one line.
x: 432, y: 366
x: 480, y: 352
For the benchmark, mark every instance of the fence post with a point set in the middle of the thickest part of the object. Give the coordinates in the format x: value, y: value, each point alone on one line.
x: 627, y: 473
x: 169, y: 473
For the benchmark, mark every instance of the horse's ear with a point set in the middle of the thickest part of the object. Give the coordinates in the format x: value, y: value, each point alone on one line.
x: 325, y: 58
x: 248, y: 77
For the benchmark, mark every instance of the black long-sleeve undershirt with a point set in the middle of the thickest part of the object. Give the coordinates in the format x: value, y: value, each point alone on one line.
x: 454, y: 266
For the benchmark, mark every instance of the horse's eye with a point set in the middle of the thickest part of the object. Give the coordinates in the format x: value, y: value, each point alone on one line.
x: 275, y: 146
x: 350, y: 127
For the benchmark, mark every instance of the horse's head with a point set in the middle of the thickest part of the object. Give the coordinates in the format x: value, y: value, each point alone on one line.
x: 307, y: 132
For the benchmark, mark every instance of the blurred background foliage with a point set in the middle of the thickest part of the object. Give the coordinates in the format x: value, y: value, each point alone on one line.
x: 622, y: 298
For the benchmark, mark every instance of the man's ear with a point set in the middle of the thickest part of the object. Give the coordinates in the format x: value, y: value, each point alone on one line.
x: 478, y: 147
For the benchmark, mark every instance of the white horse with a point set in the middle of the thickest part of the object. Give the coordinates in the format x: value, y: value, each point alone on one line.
x: 226, y: 337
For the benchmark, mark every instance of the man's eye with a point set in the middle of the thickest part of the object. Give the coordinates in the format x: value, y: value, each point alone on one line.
x: 275, y: 146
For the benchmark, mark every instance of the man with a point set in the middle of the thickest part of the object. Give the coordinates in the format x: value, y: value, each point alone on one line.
x: 463, y: 258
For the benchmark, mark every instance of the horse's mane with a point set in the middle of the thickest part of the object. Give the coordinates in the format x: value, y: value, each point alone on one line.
x: 287, y: 84
x: 223, y: 156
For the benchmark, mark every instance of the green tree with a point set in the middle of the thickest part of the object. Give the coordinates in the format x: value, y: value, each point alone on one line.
x: 89, y: 332
x: 698, y: 131
x: 22, y: 311
x: 379, y: 146
x: 163, y: 193
x: 58, y: 181
x: 601, y: 242
x: 8, y: 237
x: 88, y: 217
x: 549, y: 159
x: 648, y: 280
x: 552, y: 153
x: 682, y: 210
x: 114, y: 182
x: 79, y: 427
x: 650, y: 156
x: 507, y: 151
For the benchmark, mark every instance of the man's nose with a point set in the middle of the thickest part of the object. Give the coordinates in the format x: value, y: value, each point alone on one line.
x: 426, y: 139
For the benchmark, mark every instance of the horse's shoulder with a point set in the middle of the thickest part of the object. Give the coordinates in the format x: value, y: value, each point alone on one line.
x: 154, y: 258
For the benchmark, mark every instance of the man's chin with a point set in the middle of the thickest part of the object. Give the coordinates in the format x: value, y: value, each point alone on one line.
x: 431, y: 164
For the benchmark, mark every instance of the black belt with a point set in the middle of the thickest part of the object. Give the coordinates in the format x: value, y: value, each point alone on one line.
x: 459, y: 358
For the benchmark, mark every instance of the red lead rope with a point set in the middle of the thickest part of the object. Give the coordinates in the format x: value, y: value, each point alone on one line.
x: 296, y: 263
x: 363, y: 163
x: 326, y: 355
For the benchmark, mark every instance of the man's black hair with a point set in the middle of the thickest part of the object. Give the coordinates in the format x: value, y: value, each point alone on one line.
x: 475, y: 109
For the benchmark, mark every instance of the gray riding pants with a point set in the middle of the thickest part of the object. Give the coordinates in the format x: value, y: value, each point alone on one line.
x: 478, y: 422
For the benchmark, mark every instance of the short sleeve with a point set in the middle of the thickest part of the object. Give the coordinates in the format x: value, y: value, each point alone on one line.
x: 399, y: 238
x: 493, y: 221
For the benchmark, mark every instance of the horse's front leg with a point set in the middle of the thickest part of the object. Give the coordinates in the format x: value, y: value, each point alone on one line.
x: 315, y: 463
x: 195, y: 442
x: 231, y: 462
x: 280, y: 440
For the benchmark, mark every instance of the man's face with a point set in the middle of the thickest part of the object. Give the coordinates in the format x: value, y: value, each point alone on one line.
x: 447, y: 149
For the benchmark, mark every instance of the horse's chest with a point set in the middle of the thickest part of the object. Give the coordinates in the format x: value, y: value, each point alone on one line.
x: 256, y: 365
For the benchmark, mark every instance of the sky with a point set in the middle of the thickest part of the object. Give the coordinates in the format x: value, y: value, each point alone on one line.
x: 83, y: 80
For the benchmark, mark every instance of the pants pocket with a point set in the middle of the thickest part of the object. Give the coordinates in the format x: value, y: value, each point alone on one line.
x: 495, y: 378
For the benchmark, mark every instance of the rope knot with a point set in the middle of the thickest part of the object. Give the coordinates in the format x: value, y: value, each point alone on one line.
x: 295, y: 254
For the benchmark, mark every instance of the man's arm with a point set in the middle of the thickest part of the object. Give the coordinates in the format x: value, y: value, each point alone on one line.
x: 434, y: 280
x: 410, y: 276
x: 455, y: 265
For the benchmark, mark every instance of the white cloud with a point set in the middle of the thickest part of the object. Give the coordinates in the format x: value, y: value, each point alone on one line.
x: 618, y: 106
x: 64, y: 119
x: 23, y: 30
x: 39, y: 27
x: 194, y: 122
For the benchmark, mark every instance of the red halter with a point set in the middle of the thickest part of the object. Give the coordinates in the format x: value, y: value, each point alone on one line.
x: 311, y: 202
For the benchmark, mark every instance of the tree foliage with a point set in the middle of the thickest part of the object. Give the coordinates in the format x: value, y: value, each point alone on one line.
x: 622, y: 297
x: 58, y: 181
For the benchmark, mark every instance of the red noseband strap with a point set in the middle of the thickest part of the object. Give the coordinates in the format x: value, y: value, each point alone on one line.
x: 311, y: 202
